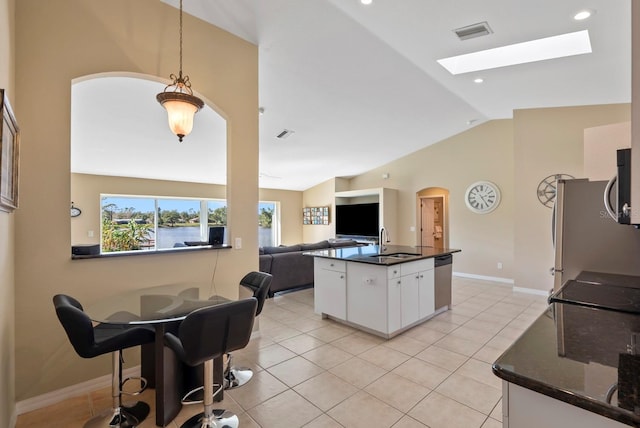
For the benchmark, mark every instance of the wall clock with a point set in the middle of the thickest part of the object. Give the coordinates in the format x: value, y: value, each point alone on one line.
x: 482, y: 197
x: 75, y: 211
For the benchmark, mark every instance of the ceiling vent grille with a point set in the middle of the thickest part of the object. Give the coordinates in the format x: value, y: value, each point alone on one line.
x: 473, y: 31
x: 284, y: 134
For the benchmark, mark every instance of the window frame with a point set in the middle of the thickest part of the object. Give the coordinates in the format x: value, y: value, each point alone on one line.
x: 157, y: 200
x: 276, y: 226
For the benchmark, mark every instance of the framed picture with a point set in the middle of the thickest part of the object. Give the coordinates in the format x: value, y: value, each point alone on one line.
x: 9, y: 156
x: 315, y: 215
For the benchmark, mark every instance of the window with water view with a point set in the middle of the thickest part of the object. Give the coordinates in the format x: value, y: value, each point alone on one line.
x: 136, y: 223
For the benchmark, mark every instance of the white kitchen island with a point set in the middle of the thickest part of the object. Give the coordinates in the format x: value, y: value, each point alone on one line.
x: 383, y: 292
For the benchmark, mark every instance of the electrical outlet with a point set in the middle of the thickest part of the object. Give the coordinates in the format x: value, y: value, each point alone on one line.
x: 238, y: 244
x: 90, y: 233
x: 412, y: 228
x: 499, y: 265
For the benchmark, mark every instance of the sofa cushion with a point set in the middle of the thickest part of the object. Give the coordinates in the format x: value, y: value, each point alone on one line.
x: 317, y: 246
x: 281, y: 249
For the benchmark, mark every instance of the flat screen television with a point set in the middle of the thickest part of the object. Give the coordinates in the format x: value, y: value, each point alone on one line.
x: 357, y: 219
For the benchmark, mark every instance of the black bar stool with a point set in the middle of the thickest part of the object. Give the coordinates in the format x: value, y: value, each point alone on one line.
x: 259, y: 283
x: 89, y: 341
x: 206, y: 334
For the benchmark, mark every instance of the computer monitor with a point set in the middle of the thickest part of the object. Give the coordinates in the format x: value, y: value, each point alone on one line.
x: 216, y: 235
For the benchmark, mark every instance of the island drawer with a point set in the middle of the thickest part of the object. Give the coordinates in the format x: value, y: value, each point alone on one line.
x: 417, y: 266
x: 330, y: 264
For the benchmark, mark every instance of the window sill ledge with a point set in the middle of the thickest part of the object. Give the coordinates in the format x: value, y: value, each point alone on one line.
x: 151, y: 252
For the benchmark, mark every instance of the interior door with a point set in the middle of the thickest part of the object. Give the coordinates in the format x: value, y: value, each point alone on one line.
x: 427, y: 222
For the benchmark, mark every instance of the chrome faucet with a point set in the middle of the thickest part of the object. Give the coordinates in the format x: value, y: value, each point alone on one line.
x: 383, y: 238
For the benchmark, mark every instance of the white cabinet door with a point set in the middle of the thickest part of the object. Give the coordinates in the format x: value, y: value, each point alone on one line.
x: 330, y: 288
x: 409, y: 299
x: 330, y: 293
x: 426, y: 292
x: 367, y: 296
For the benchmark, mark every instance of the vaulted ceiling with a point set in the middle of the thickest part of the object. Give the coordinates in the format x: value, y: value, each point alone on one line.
x: 360, y: 86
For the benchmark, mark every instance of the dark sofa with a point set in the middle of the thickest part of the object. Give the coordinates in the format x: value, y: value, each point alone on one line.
x: 289, y: 268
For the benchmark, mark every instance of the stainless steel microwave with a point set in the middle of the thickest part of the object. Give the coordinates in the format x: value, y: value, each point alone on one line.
x: 623, y: 198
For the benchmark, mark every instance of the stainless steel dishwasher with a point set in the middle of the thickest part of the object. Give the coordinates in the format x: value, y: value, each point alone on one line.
x: 442, y: 280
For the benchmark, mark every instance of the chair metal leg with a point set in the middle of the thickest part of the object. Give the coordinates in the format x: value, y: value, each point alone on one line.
x: 119, y: 416
x: 211, y: 418
x: 235, y: 377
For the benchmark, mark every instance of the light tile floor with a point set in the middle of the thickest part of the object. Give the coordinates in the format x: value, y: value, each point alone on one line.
x: 317, y: 373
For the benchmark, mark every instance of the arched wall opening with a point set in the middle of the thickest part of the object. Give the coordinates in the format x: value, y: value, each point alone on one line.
x: 432, y: 214
x: 121, y: 145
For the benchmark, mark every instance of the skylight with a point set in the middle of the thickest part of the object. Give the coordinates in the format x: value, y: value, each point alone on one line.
x: 564, y: 45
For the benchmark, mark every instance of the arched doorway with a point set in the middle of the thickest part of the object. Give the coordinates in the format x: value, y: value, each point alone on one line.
x: 433, y: 217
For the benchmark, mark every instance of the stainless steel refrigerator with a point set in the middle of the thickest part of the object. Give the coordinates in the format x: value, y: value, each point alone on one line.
x: 587, y: 238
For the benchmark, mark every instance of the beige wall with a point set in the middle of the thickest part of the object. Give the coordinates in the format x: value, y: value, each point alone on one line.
x: 321, y: 195
x: 516, y: 155
x: 7, y: 230
x: 548, y: 141
x: 599, y: 143
x: 290, y: 213
x: 482, y: 153
x: 57, y: 41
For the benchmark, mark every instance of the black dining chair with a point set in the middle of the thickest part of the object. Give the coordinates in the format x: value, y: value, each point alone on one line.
x: 207, y: 334
x: 89, y: 341
x: 259, y: 283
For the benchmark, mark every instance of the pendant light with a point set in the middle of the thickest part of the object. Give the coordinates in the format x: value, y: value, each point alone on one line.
x: 178, y: 99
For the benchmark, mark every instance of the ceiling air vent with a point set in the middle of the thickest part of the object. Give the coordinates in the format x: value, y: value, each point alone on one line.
x: 473, y: 31
x: 285, y: 133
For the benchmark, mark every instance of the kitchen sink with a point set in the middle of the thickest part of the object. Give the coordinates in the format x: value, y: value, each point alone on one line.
x: 395, y: 255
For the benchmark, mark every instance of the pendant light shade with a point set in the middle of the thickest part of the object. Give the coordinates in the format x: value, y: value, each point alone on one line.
x: 178, y: 99
x: 181, y: 108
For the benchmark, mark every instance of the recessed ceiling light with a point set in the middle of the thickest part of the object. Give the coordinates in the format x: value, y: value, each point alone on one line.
x: 478, y: 80
x: 583, y: 14
x: 564, y: 45
x: 366, y: 1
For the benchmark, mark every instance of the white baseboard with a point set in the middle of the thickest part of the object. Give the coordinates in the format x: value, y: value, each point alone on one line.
x: 59, y: 395
x: 532, y: 291
x: 504, y: 281
x: 485, y: 278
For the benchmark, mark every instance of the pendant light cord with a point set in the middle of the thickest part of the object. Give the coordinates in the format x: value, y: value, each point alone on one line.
x: 181, y: 39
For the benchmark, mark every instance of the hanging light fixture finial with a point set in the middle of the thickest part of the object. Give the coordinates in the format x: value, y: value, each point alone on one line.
x: 178, y: 99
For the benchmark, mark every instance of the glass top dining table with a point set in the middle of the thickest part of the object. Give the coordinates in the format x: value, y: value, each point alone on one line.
x: 153, y: 305
x: 161, y: 307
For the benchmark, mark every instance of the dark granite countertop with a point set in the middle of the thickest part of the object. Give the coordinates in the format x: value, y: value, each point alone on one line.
x: 615, y: 297
x: 388, y: 255
x: 580, y: 355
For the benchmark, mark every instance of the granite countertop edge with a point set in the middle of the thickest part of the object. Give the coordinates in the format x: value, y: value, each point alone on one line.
x: 566, y: 396
x: 425, y: 253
